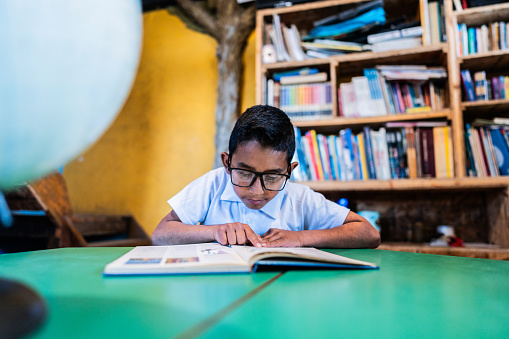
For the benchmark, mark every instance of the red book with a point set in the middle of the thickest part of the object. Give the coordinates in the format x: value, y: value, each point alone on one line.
x: 427, y: 152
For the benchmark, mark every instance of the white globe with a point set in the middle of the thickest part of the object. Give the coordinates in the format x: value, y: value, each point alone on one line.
x: 66, y: 68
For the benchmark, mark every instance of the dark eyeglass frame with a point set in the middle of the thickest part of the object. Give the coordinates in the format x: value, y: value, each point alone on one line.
x: 258, y: 175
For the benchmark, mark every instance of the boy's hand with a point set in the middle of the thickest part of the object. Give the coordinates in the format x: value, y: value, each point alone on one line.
x: 275, y: 237
x: 236, y: 234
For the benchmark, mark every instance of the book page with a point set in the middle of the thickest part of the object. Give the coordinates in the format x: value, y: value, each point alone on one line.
x: 194, y: 255
x: 253, y: 254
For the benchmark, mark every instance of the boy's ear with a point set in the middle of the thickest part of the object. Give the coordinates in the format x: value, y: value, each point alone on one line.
x: 293, y: 165
x: 224, y: 160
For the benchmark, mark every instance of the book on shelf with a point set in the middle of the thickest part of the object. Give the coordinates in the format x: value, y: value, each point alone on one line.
x: 216, y: 258
x: 348, y: 14
x: 300, y: 71
x: 306, y: 101
x: 491, y: 36
x: 409, y: 32
x: 387, y: 90
x: 396, y: 44
x: 481, y: 86
x: 374, y: 16
x: 325, y: 45
x: 468, y: 85
x: 436, y: 22
x: 487, y: 148
x: 398, y: 151
x: 303, y: 79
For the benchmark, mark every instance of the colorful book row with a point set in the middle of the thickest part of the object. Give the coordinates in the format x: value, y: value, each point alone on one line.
x: 487, y: 150
x: 481, y: 88
x: 411, y: 150
x: 388, y: 90
x: 483, y: 39
x: 301, y: 101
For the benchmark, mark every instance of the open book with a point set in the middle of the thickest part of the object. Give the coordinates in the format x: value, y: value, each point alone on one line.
x: 216, y: 258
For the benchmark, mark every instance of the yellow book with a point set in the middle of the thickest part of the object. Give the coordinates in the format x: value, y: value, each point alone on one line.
x: 317, y: 155
x: 439, y: 150
x: 418, y: 109
x: 506, y: 86
x: 448, y: 152
x: 362, y: 154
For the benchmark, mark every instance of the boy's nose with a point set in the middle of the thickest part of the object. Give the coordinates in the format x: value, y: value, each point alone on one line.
x: 256, y: 187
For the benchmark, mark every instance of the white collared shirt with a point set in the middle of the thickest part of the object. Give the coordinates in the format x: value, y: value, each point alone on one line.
x: 211, y: 200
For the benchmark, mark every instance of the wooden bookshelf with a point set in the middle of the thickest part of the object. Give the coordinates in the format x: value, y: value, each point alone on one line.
x: 477, y: 16
x: 457, y: 112
x: 410, y: 184
x: 326, y: 125
x: 483, y: 251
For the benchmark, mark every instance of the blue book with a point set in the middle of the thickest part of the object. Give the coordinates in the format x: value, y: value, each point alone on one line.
x: 369, y: 153
x: 471, y: 41
x: 301, y: 71
x: 332, y: 156
x: 470, y: 165
x: 468, y: 85
x: 346, y: 138
x: 301, y: 157
x: 323, y: 156
x: 501, y: 150
x: 373, y: 17
x: 339, y: 157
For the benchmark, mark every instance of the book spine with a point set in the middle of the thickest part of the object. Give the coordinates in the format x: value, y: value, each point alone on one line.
x: 369, y: 152
x: 320, y: 171
x: 312, y: 156
x: 411, y: 152
x: 471, y: 167
x: 348, y: 156
x: 362, y: 156
x: 427, y: 153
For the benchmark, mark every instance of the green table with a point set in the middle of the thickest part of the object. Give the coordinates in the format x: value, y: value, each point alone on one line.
x: 411, y: 296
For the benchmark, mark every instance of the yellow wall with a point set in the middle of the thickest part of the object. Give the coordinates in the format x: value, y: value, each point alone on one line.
x: 163, y: 138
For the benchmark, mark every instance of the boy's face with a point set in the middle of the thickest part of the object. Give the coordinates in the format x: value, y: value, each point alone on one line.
x: 252, y: 156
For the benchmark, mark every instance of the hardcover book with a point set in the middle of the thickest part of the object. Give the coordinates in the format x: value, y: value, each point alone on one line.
x: 216, y: 258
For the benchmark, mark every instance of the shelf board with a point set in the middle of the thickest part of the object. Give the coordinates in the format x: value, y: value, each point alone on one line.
x: 485, y: 61
x: 477, y: 16
x: 410, y: 184
x: 335, y: 123
x: 306, y: 6
x: 486, y: 109
x: 485, y: 252
x: 431, y: 52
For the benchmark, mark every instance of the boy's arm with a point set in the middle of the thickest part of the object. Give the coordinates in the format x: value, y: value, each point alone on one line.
x: 172, y: 231
x: 356, y: 232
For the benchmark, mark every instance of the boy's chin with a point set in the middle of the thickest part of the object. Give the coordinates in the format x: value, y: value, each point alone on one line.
x: 254, y: 204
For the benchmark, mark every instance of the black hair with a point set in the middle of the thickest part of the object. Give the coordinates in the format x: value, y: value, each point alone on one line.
x: 267, y: 125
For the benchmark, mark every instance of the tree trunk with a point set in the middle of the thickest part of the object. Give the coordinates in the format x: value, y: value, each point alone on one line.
x: 229, y: 57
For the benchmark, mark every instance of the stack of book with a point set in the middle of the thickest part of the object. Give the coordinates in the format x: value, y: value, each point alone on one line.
x: 387, y: 90
x: 302, y: 94
x: 483, y: 39
x: 487, y: 147
x: 397, y: 151
x: 480, y: 88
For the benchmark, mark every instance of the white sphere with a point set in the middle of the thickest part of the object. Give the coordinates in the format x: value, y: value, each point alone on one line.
x: 66, y: 68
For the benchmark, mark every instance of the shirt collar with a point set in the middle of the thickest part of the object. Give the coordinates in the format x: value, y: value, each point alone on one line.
x: 272, y: 208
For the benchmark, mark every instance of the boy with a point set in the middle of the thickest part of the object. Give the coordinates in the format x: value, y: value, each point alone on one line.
x: 249, y: 201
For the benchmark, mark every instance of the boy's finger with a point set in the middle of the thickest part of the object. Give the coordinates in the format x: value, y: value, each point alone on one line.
x: 241, y: 237
x: 254, y: 238
x: 275, y: 243
x: 221, y: 238
x: 232, y: 238
x: 268, y: 232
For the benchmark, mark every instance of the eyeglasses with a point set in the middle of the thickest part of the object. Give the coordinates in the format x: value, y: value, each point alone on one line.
x: 246, y: 178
